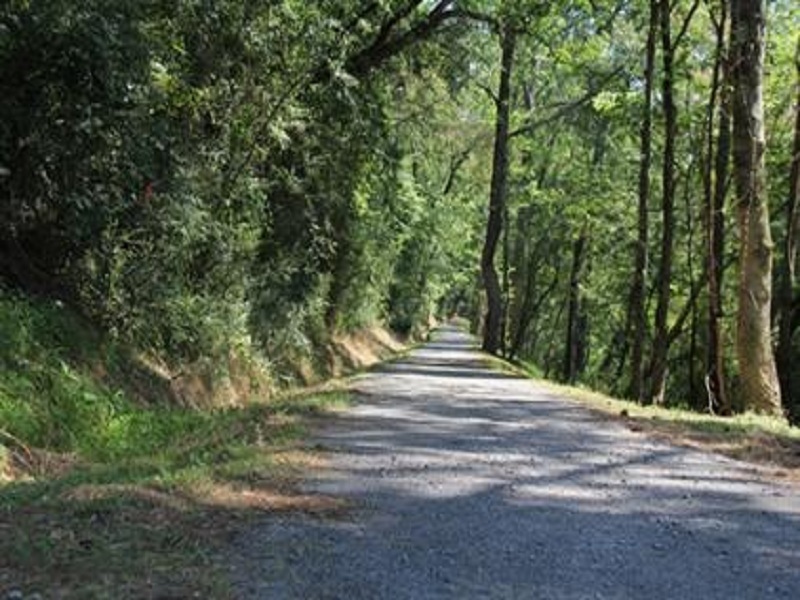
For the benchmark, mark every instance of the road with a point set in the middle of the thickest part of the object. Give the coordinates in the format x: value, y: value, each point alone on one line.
x: 469, y: 483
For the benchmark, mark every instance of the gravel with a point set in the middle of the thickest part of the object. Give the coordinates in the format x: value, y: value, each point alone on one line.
x: 468, y: 483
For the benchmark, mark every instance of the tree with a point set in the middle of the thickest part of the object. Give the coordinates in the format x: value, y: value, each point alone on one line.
x: 759, y: 379
x: 637, y: 316
x: 661, y: 343
x: 492, y: 340
x: 789, y: 300
x: 715, y: 184
x: 574, y: 347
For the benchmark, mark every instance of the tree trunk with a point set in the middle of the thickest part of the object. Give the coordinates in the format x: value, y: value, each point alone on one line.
x: 688, y: 200
x: 786, y: 309
x: 658, y: 370
x: 759, y: 379
x: 497, y: 199
x: 530, y: 308
x: 527, y: 264
x: 506, y: 289
x: 718, y: 401
x: 637, y: 317
x: 574, y: 350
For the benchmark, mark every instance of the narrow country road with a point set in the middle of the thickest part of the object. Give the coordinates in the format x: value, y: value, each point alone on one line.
x: 467, y: 483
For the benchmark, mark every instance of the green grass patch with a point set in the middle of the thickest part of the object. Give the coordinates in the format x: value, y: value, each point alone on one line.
x: 103, y: 496
x: 145, y: 514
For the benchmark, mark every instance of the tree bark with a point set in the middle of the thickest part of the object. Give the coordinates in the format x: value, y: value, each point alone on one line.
x: 506, y: 289
x: 520, y: 275
x: 529, y: 310
x: 574, y: 348
x: 658, y: 370
x: 497, y: 199
x: 786, y: 310
x: 715, y: 189
x: 637, y: 317
x: 759, y: 379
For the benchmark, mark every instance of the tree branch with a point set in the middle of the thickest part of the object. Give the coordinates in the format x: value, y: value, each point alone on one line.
x: 566, y: 108
x: 386, y: 45
x: 685, y: 25
x: 456, y: 162
x: 489, y: 92
x: 386, y: 29
x: 677, y: 328
x: 473, y: 15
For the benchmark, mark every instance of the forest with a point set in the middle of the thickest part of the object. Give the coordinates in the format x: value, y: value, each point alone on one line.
x: 606, y: 189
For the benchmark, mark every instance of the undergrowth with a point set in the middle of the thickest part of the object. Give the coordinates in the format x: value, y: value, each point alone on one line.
x: 103, y: 496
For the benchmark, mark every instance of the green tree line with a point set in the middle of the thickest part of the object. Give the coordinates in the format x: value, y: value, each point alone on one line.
x: 601, y: 186
x: 196, y: 175
x: 643, y: 212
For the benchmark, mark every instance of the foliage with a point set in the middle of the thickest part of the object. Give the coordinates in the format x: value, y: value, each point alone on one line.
x: 201, y: 182
x: 189, y: 188
x: 579, y: 172
x: 201, y: 179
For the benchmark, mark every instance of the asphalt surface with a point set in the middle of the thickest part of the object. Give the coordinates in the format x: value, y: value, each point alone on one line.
x: 468, y: 483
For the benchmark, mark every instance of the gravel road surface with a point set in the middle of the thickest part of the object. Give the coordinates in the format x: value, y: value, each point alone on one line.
x: 468, y: 483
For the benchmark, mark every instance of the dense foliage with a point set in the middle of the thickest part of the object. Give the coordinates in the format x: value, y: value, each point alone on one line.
x: 194, y: 175
x: 202, y: 177
x: 575, y: 182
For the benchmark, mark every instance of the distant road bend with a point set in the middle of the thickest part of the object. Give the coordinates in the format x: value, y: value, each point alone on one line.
x: 468, y: 483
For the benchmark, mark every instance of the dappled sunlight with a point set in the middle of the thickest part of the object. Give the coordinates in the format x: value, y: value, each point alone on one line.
x: 503, y: 485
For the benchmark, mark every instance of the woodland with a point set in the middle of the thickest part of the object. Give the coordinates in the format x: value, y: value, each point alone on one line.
x: 606, y: 189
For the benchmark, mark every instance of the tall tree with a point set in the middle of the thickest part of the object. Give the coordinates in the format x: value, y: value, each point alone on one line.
x: 661, y: 343
x: 492, y: 338
x: 574, y: 348
x: 788, y: 302
x: 715, y: 186
x: 658, y: 367
x: 637, y: 316
x: 759, y: 379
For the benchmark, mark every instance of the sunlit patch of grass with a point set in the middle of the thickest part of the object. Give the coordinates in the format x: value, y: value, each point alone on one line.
x: 143, y: 513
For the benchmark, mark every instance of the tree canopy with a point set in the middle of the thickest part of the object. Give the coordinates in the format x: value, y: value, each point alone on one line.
x: 578, y: 178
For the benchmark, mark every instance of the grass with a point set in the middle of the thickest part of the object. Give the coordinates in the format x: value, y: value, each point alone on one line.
x: 763, y: 440
x: 106, y: 496
x: 149, y: 523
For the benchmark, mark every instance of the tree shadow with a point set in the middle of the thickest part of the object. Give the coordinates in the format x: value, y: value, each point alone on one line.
x: 467, y: 483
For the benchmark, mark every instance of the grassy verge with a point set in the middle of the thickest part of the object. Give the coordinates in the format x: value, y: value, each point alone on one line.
x: 148, y: 523
x: 758, y: 439
x: 109, y: 494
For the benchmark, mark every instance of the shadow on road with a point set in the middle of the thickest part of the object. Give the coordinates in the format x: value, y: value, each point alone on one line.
x: 468, y: 483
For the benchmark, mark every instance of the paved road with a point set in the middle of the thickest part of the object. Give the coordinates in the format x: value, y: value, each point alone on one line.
x: 467, y: 483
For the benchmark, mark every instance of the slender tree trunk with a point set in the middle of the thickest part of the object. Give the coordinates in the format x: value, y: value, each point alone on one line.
x: 637, y: 317
x: 658, y: 370
x: 494, y: 298
x: 506, y: 281
x: 759, y: 378
x: 573, y: 350
x: 693, y: 284
x: 521, y: 273
x: 695, y: 397
x: 787, y: 312
x: 519, y: 277
x: 550, y: 360
x: 530, y: 309
x: 715, y: 188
